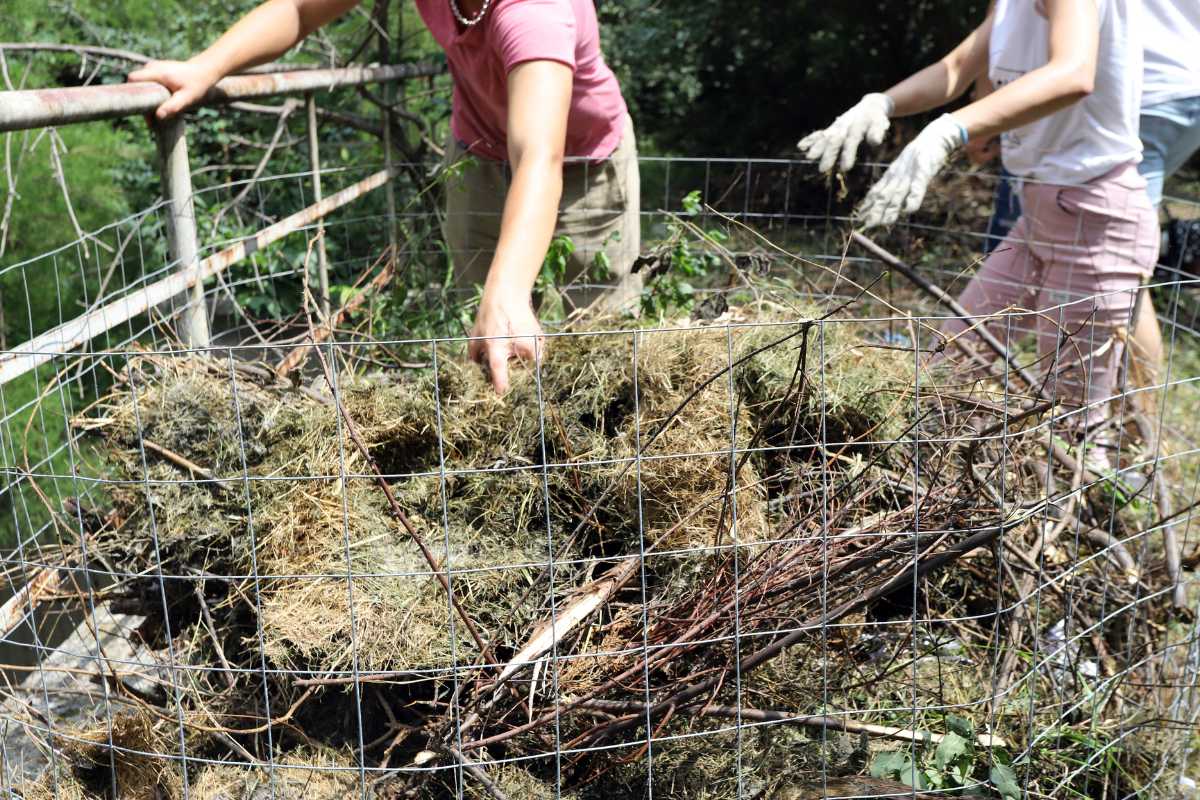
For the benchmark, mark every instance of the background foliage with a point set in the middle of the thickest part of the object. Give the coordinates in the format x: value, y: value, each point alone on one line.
x: 721, y: 77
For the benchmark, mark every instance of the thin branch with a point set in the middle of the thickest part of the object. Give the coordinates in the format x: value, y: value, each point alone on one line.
x: 280, y: 129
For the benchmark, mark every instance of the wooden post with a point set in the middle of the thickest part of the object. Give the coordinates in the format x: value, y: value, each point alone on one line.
x: 192, y: 324
x: 383, y: 9
x: 314, y: 161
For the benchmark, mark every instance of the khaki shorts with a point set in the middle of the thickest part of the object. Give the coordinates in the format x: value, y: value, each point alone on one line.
x: 599, y: 212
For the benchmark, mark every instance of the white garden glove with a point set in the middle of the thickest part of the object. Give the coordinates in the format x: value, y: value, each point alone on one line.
x: 868, y: 119
x: 902, y: 187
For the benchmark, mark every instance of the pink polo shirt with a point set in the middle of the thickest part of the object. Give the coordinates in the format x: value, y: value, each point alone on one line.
x: 513, y: 32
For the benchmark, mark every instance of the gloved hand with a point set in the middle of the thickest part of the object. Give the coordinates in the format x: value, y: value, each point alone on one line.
x: 868, y: 119
x: 902, y: 187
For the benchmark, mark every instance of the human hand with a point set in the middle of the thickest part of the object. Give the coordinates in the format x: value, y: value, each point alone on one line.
x: 902, y: 187
x: 503, y: 315
x: 981, y: 151
x: 188, y: 81
x: 868, y: 119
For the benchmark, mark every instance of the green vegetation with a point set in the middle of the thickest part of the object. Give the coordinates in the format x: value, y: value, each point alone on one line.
x: 954, y: 763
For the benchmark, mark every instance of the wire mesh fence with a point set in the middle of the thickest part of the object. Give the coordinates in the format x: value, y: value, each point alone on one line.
x: 780, y: 536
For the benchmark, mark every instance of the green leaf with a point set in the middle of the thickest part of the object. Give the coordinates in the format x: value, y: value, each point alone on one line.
x: 911, y: 776
x: 933, y: 778
x: 949, y: 749
x: 1005, y: 780
x: 960, y: 725
x: 691, y: 202
x: 601, y: 266
x: 888, y: 764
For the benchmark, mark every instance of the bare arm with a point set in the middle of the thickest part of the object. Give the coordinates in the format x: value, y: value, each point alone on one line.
x: 1067, y: 77
x: 946, y: 80
x: 266, y: 33
x: 982, y: 149
x: 539, y: 99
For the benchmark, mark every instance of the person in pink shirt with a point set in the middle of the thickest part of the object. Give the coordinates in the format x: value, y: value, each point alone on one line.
x: 539, y: 114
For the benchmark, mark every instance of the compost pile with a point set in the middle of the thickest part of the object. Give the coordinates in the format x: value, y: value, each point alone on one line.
x: 650, y: 531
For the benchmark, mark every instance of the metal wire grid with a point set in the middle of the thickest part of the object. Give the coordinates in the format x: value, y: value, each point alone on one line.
x: 85, y: 373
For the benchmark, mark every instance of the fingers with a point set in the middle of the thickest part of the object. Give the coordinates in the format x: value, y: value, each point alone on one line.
x: 831, y: 145
x: 176, y: 103
x: 477, y: 349
x: 815, y: 146
x: 823, y: 146
x: 498, y: 353
x: 854, y: 137
x: 916, y: 193
x: 889, y: 198
x: 177, y: 79
x: 883, y: 202
x: 876, y: 130
x: 151, y: 72
x: 527, y: 348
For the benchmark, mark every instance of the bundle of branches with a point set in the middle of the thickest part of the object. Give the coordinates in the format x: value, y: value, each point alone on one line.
x: 666, y: 534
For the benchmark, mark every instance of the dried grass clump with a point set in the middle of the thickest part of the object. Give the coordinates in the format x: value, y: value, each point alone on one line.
x: 497, y: 486
x: 56, y: 783
x: 122, y: 759
x: 302, y: 775
x: 478, y: 491
x: 616, y: 460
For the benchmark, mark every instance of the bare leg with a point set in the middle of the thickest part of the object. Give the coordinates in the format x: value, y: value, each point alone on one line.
x: 1146, y: 354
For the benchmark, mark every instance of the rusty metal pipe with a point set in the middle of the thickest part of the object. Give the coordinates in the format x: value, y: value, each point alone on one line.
x: 192, y: 324
x: 79, y: 331
x: 314, y: 161
x: 39, y: 108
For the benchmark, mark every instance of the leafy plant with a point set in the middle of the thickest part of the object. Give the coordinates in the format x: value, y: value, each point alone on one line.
x: 683, y: 261
x: 954, y: 764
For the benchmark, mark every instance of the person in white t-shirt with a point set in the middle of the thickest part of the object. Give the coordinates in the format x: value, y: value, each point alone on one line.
x: 1170, y: 124
x: 1170, y: 132
x: 1068, y: 80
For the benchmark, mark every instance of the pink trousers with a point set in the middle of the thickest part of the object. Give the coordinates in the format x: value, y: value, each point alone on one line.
x: 1069, y: 273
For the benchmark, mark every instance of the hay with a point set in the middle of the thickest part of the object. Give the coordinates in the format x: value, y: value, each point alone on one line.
x: 320, y: 528
x: 303, y: 775
x: 119, y: 759
x: 622, y: 446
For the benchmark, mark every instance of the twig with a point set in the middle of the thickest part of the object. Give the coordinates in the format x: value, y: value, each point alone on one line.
x: 61, y: 178
x: 41, y: 586
x: 807, y: 720
x: 186, y: 463
x: 280, y: 128
x: 472, y: 769
x: 320, y: 334
x: 689, y: 694
x: 1115, y: 550
x: 939, y: 294
x: 212, y: 632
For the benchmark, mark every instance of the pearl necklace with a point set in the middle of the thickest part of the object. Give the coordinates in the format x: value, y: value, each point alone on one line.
x: 469, y: 22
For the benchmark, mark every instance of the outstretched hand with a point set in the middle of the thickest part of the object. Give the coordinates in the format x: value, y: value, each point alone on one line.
x: 903, y: 186
x: 509, y: 315
x: 868, y: 119
x: 187, y: 81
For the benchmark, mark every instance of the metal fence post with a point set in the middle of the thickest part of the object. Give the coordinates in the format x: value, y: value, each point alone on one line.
x: 383, y: 10
x: 390, y: 189
x: 181, y: 225
x: 314, y: 161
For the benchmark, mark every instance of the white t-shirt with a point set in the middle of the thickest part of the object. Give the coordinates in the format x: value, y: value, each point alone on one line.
x: 1096, y: 134
x: 1172, y: 37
